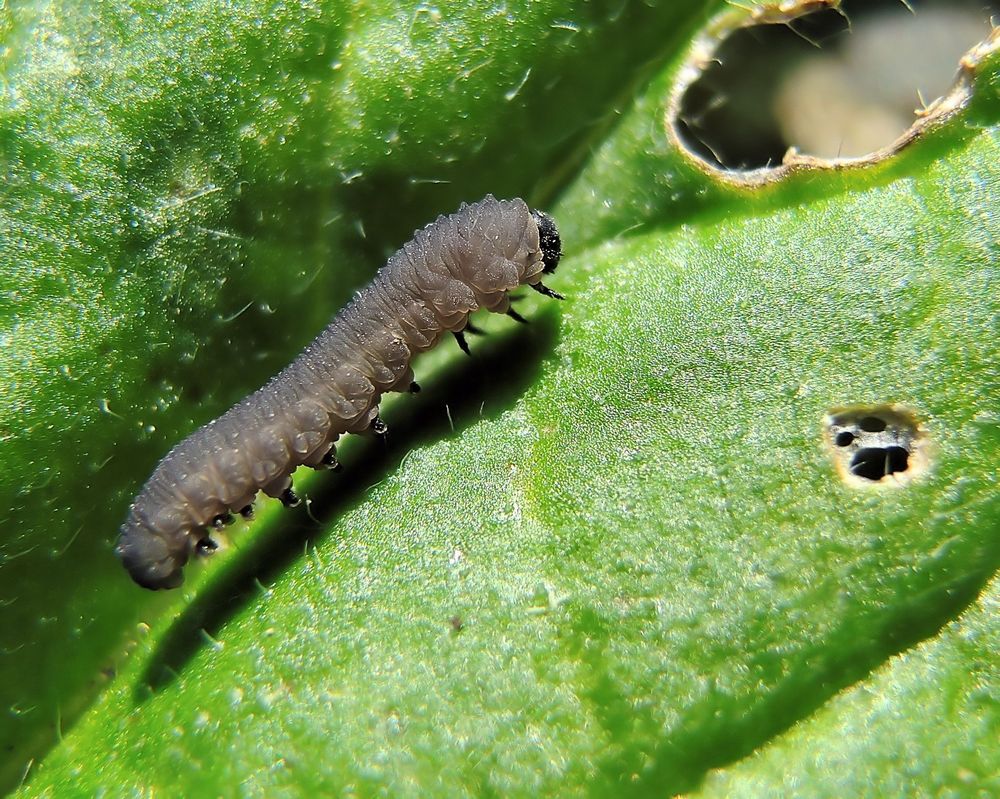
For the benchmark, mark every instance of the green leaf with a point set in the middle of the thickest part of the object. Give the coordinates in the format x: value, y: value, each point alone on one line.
x: 926, y: 723
x: 190, y: 192
x: 608, y: 555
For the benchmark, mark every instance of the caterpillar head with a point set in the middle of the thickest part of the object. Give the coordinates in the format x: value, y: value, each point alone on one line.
x: 548, y: 238
x: 154, y: 560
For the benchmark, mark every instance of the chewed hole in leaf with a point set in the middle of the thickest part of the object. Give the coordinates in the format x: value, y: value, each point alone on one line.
x: 844, y: 438
x: 791, y: 83
x: 874, y: 463
x: 872, y: 424
x: 876, y: 445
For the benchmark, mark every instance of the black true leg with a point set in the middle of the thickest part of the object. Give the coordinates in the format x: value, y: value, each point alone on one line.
x: 206, y: 546
x: 414, y: 387
x: 516, y: 316
x: 222, y: 520
x: 289, y: 498
x: 543, y: 289
x: 247, y: 512
x: 472, y: 329
x: 378, y: 427
x: 330, y: 461
x: 460, y: 338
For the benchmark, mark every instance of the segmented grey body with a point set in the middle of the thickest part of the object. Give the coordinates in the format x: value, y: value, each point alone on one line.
x: 454, y: 266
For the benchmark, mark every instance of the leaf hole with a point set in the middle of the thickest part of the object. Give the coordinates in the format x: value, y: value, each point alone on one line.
x: 876, y: 445
x: 874, y: 463
x: 809, y: 80
x: 872, y: 424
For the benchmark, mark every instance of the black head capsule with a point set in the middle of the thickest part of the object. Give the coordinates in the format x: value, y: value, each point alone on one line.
x: 548, y: 238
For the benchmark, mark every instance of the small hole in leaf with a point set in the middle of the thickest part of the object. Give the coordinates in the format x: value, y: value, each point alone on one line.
x: 869, y: 443
x: 874, y: 463
x: 844, y: 438
x: 842, y: 81
x: 872, y: 424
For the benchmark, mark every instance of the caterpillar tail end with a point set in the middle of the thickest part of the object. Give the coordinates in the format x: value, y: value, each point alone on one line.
x: 149, y: 559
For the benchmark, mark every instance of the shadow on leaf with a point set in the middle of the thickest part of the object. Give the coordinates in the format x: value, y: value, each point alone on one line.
x: 499, y: 372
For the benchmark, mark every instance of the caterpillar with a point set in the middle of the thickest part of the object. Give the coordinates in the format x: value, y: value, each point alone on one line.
x: 457, y: 264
